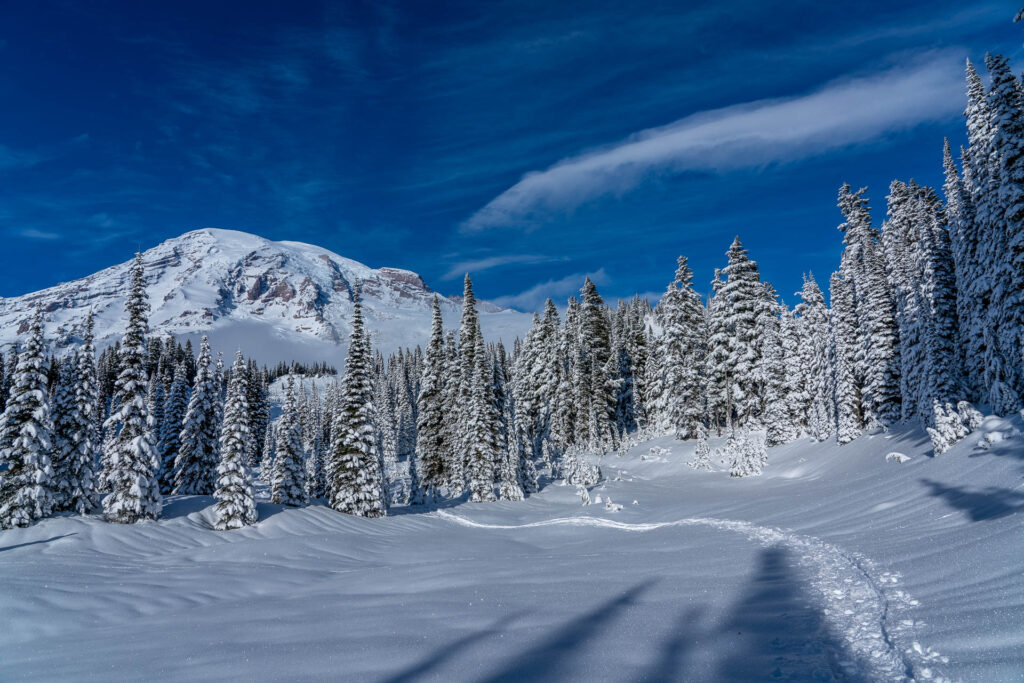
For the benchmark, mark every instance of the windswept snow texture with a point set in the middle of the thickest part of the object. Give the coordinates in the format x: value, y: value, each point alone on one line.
x: 274, y: 300
x: 833, y: 564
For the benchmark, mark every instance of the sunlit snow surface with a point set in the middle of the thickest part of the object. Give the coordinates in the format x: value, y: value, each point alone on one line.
x: 834, y: 564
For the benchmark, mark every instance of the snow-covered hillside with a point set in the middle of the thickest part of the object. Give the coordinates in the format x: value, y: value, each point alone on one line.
x: 275, y: 300
x: 835, y: 564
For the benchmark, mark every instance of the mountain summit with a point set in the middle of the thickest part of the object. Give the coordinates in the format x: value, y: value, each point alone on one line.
x: 244, y: 290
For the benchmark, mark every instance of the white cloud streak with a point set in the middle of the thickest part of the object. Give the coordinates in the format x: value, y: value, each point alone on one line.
x: 843, y: 113
x: 533, y: 298
x: 459, y: 269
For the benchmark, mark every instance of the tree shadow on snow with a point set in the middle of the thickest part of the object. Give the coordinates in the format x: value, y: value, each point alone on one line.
x: 45, y: 540
x: 776, y: 631
x: 672, y: 661
x: 183, y: 506
x: 979, y: 505
x: 424, y: 667
x: 552, y: 660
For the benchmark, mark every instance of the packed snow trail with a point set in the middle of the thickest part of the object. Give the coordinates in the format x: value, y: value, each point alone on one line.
x: 865, y: 609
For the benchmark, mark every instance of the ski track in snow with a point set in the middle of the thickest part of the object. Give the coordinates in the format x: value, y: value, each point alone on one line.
x: 865, y: 608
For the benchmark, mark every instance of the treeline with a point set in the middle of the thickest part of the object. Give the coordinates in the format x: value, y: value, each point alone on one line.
x: 925, y: 316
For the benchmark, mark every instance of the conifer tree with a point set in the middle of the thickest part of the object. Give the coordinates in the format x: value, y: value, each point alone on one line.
x: 175, y: 407
x: 845, y: 344
x: 355, y: 480
x: 702, y: 453
x: 267, y: 456
x: 25, y: 437
x: 863, y: 265
x: 815, y: 356
x: 1006, y: 237
x: 680, y: 353
x: 287, y: 484
x: 455, y: 465
x: 72, y: 456
x: 481, y: 431
x: 134, y: 487
x: 718, y: 373
x: 959, y: 211
x: 195, y: 468
x: 235, y: 504
x: 792, y: 420
x: 741, y: 293
x: 259, y: 413
x: 430, y: 462
x: 316, y: 477
x: 82, y: 467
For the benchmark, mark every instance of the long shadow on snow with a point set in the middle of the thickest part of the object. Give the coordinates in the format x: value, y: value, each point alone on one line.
x: 979, y: 505
x: 685, y: 636
x: 552, y: 659
x: 776, y: 631
x: 425, y: 666
x: 45, y: 540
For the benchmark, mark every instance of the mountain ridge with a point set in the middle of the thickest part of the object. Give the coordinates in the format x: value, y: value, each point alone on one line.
x: 248, y: 291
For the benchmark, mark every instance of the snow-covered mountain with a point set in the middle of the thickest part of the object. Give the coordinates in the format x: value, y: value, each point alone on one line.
x: 275, y: 300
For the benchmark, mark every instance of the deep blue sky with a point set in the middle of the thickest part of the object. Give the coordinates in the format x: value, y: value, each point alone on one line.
x: 383, y: 130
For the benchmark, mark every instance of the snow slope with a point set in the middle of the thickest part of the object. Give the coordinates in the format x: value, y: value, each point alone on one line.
x: 834, y: 564
x: 276, y: 300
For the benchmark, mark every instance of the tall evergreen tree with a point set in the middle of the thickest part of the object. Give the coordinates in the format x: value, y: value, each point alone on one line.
x: 429, y: 465
x: 355, y: 479
x: 845, y: 345
x: 742, y: 293
x: 195, y: 468
x: 287, y: 484
x: 863, y: 265
x: 481, y: 431
x: 134, y: 487
x: 25, y: 437
x: 680, y: 355
x: 815, y: 354
x: 235, y: 504
x: 72, y: 456
x: 175, y: 408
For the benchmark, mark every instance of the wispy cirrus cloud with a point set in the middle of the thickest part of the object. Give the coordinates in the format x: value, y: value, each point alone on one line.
x: 533, y: 298
x: 34, y: 234
x: 479, y: 265
x: 843, y: 113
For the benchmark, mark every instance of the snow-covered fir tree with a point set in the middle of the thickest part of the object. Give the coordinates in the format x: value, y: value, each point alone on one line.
x: 815, y: 355
x: 259, y: 413
x: 82, y: 469
x: 169, y: 442
x: 73, y: 456
x: 25, y: 437
x: 453, y: 452
x: 949, y: 427
x: 863, y: 266
x: 235, y: 506
x: 845, y: 347
x: 702, y: 452
x: 680, y: 349
x: 482, y: 431
x: 430, y: 462
x: 195, y: 468
x: 770, y: 372
x: 287, y: 482
x: 355, y: 480
x: 268, y: 453
x: 741, y: 293
x: 922, y: 281
x: 134, y: 463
